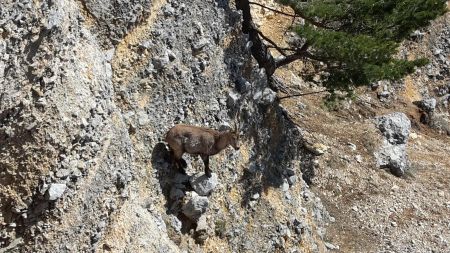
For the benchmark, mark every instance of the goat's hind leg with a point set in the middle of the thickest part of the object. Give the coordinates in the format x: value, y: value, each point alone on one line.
x: 179, y: 162
x: 174, y: 161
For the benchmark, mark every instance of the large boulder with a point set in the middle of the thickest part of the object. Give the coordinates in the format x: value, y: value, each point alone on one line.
x: 194, y: 205
x: 428, y: 105
x: 204, y: 185
x: 395, y: 127
x: 394, y: 158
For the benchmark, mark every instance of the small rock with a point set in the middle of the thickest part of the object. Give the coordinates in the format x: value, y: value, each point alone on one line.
x: 317, y: 148
x: 352, y: 146
x: 292, y: 180
x: 95, y: 237
x: 175, y: 223
x: 395, y: 187
x: 201, y: 232
x: 331, y: 246
x: 413, y: 135
x: 146, y: 44
x: 284, y: 230
x: 199, y: 45
x: 417, y: 34
x: 194, y: 205
x: 204, y: 185
x: 62, y: 173
x: 143, y: 118
x: 55, y: 191
x: 160, y: 62
x: 232, y: 99
x: 168, y: 10
x: 268, y: 96
x: 76, y: 173
x: 383, y: 94
x: 355, y: 208
x: 285, y: 186
x: 358, y: 158
x: 172, y: 56
x: 428, y: 105
x: 202, y: 225
x: 437, y: 51
x: 255, y: 196
x: 301, y: 106
x: 84, y: 122
x: 306, y: 195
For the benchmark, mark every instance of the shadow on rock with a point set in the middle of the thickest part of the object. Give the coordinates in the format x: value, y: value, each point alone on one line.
x: 173, y: 184
x: 177, y: 190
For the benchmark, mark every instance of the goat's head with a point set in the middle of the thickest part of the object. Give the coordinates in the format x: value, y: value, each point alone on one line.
x: 234, y: 140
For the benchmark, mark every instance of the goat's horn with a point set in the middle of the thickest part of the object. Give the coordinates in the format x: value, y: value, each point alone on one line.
x: 236, y: 121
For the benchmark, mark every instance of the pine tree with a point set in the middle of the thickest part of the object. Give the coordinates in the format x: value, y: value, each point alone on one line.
x: 350, y: 42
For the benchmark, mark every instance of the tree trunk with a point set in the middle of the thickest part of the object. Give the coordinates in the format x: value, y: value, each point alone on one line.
x: 259, y: 51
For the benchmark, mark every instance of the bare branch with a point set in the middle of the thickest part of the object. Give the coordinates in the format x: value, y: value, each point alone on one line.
x: 299, y: 54
x: 274, y: 45
x: 303, y: 94
x: 271, y: 9
x: 297, y: 14
x: 284, y: 48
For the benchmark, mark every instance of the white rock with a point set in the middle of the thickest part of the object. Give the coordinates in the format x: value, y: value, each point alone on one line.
x: 204, y: 185
x: 195, y: 205
x: 55, y: 191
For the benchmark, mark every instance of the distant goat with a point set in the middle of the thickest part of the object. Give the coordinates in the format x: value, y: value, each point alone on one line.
x: 199, y: 141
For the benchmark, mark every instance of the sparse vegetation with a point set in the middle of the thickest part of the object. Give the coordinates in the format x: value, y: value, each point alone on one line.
x: 220, y: 228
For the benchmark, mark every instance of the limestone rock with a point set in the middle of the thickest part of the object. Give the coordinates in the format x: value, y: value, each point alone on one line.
x: 55, y: 191
x: 395, y: 127
x: 194, y: 205
x: 204, y: 185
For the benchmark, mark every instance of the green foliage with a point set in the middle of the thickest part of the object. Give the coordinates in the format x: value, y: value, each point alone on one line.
x: 220, y: 228
x: 334, y: 100
x: 357, y: 40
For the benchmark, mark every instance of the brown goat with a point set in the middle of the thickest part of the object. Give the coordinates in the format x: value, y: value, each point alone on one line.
x: 198, y: 141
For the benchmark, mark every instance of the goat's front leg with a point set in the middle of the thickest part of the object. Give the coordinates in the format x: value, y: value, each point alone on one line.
x: 205, y: 159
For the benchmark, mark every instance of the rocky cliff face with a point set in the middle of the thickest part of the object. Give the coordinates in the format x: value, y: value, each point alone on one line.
x: 88, y: 90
